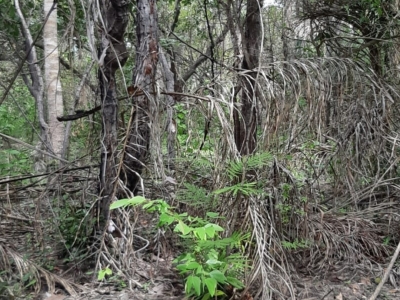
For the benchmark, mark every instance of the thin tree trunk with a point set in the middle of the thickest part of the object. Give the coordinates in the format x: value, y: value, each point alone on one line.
x: 246, y: 123
x: 170, y: 126
x: 35, y: 86
x: 55, y: 105
x: 143, y: 80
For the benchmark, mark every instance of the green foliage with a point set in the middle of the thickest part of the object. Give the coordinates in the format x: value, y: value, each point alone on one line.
x: 15, y: 288
x: 74, y: 228
x: 14, y: 162
x: 195, y: 195
x: 16, y: 117
x: 190, y: 129
x: 181, y: 123
x: 386, y: 240
x: 247, y: 189
x: 9, y: 18
x: 207, y: 265
x: 248, y: 163
x: 237, y: 171
x: 286, y: 188
x: 285, y: 211
x: 296, y: 244
x: 103, y: 272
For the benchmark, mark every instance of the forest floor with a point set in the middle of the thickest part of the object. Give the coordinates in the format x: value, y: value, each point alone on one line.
x: 158, y: 279
x: 162, y: 282
x: 306, y: 289
x: 355, y: 289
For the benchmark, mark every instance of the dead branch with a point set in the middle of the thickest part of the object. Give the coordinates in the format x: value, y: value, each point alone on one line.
x: 386, y: 275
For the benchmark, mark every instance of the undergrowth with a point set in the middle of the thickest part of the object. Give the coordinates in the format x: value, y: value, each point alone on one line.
x: 210, y: 262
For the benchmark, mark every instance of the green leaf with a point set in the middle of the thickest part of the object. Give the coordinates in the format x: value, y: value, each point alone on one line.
x: 213, y: 262
x: 183, y: 257
x: 32, y: 282
x: 193, y: 282
x: 137, y: 200
x: 103, y: 273
x: 125, y: 202
x: 211, y: 284
x: 212, y: 254
x: 183, y: 228
x: 13, y: 151
x: 218, y: 275
x: 210, y: 231
x: 215, y: 226
x: 166, y: 219
x: 181, y: 268
x: 235, y: 282
x: 223, y: 190
x: 200, y: 233
x: 192, y: 265
x: 212, y: 215
x: 206, y: 296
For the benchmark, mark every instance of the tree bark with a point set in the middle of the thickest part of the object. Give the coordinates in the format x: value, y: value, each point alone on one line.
x: 246, y: 123
x: 55, y: 105
x: 143, y: 80
x: 112, y: 55
x: 170, y: 126
x: 35, y: 85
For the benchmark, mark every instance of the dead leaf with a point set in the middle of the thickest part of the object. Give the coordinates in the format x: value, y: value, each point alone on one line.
x: 143, y: 273
x: 339, y: 297
x: 354, y: 286
x: 157, y: 289
x: 365, y: 280
x: 49, y: 296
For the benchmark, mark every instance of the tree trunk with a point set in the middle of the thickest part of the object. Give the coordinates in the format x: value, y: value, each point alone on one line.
x: 112, y: 55
x: 171, y: 126
x: 55, y: 105
x: 143, y: 80
x: 36, y: 88
x: 246, y: 123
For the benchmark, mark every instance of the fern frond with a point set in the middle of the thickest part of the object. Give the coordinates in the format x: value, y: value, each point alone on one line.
x: 248, y: 163
x: 194, y: 195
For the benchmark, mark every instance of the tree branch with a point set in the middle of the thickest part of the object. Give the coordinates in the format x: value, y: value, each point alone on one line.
x: 386, y: 275
x: 79, y: 74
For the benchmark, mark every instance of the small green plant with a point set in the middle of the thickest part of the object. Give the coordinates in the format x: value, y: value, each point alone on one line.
x: 72, y: 226
x: 107, y: 273
x: 207, y: 264
x: 386, y: 240
x: 103, y: 272
x: 296, y: 244
x: 285, y: 211
x: 195, y: 195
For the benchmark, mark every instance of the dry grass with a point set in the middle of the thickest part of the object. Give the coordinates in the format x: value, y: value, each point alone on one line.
x: 17, y: 268
x: 331, y: 124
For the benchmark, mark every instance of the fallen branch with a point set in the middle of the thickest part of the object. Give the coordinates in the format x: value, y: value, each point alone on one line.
x: 386, y: 275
